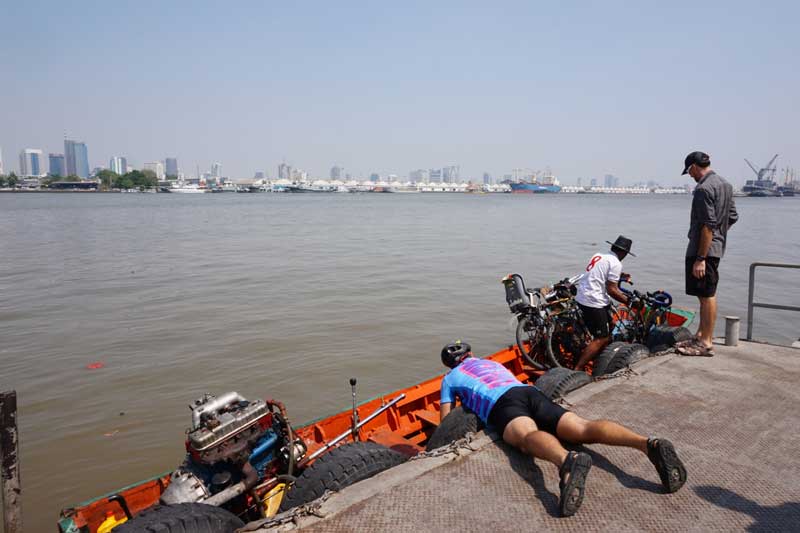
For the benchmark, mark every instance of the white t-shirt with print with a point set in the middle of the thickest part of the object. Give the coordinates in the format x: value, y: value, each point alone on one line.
x: 602, y: 267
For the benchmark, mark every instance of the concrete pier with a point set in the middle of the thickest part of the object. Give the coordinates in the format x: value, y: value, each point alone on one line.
x: 734, y: 419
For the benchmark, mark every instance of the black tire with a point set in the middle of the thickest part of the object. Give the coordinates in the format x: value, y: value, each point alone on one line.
x: 664, y: 337
x: 604, y: 358
x: 455, y: 425
x: 182, y: 518
x: 626, y: 356
x: 540, y: 361
x: 340, y: 468
x: 558, y: 382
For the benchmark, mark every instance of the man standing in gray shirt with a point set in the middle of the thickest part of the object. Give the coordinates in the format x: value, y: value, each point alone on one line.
x: 713, y: 212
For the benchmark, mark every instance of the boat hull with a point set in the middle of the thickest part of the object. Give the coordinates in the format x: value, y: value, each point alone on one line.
x: 534, y: 188
x: 405, y: 428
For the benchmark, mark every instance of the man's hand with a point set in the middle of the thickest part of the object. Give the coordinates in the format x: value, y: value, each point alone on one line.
x: 625, y: 277
x: 699, y: 269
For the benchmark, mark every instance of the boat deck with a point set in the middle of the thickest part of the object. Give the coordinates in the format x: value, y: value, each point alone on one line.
x: 734, y: 420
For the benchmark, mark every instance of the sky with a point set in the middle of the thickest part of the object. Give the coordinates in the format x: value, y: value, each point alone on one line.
x: 581, y: 88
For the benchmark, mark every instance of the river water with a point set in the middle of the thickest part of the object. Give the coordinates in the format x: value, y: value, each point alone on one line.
x: 287, y: 296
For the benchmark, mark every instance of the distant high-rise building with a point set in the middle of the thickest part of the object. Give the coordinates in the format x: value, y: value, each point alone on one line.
x: 77, y: 156
x: 171, y: 164
x: 30, y: 163
x: 374, y: 178
x: 157, y: 167
x: 450, y: 174
x: 118, y: 165
x: 579, y: 181
x: 58, y: 165
x: 284, y: 172
x: 216, y: 170
x: 435, y: 175
x: 610, y: 181
x: 419, y: 176
x: 259, y: 175
x: 593, y: 182
x: 336, y: 172
x: 1, y: 161
x: 487, y: 178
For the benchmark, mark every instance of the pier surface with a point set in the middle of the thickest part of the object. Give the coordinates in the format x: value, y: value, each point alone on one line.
x: 734, y: 419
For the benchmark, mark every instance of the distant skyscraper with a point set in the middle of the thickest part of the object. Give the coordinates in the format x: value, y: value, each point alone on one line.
x: 593, y: 182
x: 374, y: 178
x: 118, y: 165
x: 610, y: 181
x: 216, y: 170
x: 58, y: 165
x: 283, y: 171
x: 487, y: 178
x: 336, y: 172
x: 435, y: 175
x: 171, y: 165
x: 259, y: 175
x: 419, y: 176
x: 1, y: 161
x: 30, y: 163
x: 157, y: 167
x: 77, y: 156
x: 450, y: 174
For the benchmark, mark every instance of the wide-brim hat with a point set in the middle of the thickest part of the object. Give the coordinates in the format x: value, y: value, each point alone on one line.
x: 622, y: 243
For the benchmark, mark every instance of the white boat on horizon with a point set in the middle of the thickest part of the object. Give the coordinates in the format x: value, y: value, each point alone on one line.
x: 186, y: 188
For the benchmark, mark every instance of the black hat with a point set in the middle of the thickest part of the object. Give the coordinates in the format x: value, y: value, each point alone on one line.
x: 695, y: 158
x: 622, y: 243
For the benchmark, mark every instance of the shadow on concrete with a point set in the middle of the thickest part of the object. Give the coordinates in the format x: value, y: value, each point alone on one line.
x: 627, y: 480
x: 528, y: 470
x: 783, y: 517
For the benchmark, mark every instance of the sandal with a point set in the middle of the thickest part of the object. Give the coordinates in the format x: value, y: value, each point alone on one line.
x: 576, y: 466
x: 670, y: 469
x: 687, y: 342
x: 696, y: 348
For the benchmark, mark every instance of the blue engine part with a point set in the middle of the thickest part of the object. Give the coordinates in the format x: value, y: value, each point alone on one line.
x: 264, y: 451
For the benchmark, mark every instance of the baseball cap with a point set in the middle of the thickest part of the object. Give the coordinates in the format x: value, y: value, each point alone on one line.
x: 695, y: 158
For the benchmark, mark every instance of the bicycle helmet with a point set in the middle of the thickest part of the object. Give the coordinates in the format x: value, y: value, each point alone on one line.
x: 454, y: 353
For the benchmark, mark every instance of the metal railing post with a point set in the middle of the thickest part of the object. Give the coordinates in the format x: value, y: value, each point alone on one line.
x: 751, y: 288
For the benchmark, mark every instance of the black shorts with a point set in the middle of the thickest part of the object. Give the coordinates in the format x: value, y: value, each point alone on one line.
x: 597, y: 320
x: 706, y: 286
x: 526, y: 401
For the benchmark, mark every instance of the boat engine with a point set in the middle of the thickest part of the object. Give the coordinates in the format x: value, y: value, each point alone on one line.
x: 232, y: 441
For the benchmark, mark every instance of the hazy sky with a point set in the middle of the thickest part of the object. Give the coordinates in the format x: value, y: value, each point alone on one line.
x: 584, y: 88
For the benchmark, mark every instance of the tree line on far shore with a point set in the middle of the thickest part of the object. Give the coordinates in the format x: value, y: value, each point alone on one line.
x: 135, y: 179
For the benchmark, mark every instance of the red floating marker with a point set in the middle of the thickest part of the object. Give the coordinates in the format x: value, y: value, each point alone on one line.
x: 95, y: 365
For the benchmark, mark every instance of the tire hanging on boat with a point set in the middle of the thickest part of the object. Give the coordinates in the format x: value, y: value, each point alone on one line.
x: 601, y: 362
x: 558, y: 382
x: 664, y: 337
x: 340, y: 468
x: 455, y: 425
x: 180, y: 518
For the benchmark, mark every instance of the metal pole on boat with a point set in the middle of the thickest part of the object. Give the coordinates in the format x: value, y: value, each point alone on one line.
x: 9, y: 463
x: 344, y: 435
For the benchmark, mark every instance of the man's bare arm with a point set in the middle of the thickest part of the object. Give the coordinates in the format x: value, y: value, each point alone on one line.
x: 612, y: 287
x: 444, y: 410
x: 706, y: 235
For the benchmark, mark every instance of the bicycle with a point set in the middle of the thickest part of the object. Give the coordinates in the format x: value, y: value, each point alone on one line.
x: 550, y: 331
x: 634, y: 322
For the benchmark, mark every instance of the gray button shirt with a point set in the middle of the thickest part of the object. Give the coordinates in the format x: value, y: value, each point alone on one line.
x: 712, y: 206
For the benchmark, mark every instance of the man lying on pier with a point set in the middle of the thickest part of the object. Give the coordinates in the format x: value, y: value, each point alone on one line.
x: 529, y: 421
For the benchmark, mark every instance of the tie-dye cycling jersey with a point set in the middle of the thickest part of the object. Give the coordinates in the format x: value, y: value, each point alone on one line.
x: 478, y: 383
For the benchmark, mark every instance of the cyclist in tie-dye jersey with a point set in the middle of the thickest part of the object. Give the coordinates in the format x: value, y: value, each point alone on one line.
x: 531, y: 422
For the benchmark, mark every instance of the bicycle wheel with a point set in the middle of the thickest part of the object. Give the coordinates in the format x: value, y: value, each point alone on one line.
x: 551, y: 353
x: 529, y: 341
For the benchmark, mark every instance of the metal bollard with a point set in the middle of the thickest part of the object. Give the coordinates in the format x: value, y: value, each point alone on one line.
x: 731, y: 331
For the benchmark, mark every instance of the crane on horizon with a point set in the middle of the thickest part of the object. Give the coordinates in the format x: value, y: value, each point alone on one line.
x: 768, y: 168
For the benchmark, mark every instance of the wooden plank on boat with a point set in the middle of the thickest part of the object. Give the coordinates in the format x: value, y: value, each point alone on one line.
x: 395, y: 442
x: 431, y: 417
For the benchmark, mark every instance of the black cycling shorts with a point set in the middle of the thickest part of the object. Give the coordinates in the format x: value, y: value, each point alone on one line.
x: 706, y: 286
x: 526, y: 401
x: 597, y: 320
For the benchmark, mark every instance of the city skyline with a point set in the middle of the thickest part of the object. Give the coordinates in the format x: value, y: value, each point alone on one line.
x: 587, y: 90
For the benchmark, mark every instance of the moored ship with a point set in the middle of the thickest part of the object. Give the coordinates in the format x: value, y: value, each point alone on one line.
x: 547, y: 184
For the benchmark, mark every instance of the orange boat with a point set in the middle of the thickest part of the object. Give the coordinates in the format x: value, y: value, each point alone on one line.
x: 402, y: 421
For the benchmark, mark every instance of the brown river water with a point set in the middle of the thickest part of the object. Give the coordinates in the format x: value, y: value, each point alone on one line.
x: 287, y: 296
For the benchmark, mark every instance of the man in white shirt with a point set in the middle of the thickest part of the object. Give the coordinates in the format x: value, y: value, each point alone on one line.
x: 603, y: 274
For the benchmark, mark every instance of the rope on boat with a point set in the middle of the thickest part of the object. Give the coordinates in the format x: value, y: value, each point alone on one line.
x: 293, y: 515
x: 455, y: 447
